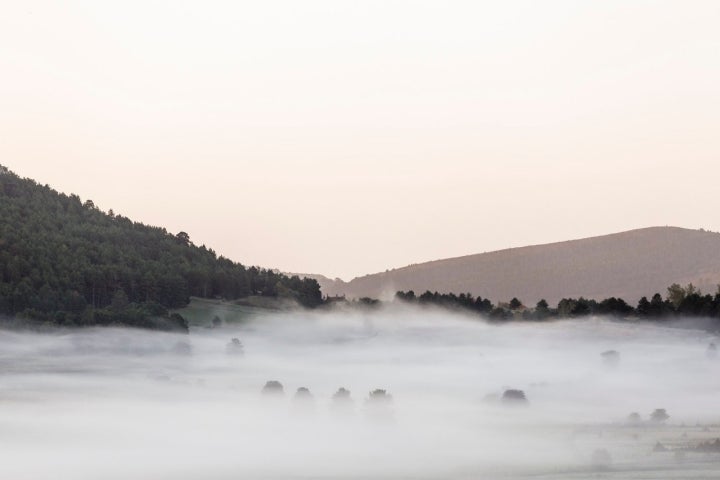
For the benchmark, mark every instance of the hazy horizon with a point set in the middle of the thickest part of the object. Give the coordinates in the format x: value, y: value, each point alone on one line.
x: 347, y: 138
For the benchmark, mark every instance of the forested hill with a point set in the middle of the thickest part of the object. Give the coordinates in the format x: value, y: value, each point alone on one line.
x: 65, y: 261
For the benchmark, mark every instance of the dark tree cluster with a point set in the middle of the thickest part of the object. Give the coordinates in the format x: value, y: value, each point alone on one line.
x: 680, y: 301
x: 464, y: 301
x: 65, y: 261
x: 578, y: 307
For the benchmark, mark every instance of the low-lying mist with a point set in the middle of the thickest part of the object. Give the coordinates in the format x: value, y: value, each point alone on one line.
x: 133, y: 404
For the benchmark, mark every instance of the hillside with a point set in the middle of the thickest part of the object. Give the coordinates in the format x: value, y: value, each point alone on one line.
x: 629, y: 265
x: 65, y: 261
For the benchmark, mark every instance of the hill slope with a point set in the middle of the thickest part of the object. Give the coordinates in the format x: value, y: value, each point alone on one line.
x: 65, y: 261
x: 629, y: 265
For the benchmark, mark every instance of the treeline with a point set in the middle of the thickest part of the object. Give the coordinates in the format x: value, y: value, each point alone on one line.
x: 679, y: 301
x: 65, y: 261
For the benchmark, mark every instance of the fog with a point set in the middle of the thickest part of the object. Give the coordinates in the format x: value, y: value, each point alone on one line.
x: 133, y: 404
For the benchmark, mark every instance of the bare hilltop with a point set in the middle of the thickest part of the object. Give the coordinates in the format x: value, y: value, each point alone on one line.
x: 629, y: 264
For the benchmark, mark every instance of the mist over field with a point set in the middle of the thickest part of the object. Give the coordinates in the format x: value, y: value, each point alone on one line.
x: 132, y: 404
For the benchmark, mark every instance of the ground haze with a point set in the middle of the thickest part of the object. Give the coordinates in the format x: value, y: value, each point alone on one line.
x: 130, y: 404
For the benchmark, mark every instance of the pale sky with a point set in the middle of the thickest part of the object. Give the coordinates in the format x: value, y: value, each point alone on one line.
x: 346, y: 138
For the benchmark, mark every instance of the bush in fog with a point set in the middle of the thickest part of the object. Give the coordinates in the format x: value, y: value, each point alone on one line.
x: 303, y: 401
x: 659, y: 415
x: 303, y: 393
x: 379, y: 396
x: 711, y: 351
x: 378, y: 407
x: 514, y: 397
x: 659, y: 447
x: 342, y: 395
x: 367, y: 302
x: 235, y: 347
x: 341, y: 401
x: 634, y: 418
x: 273, y: 387
x: 611, y: 358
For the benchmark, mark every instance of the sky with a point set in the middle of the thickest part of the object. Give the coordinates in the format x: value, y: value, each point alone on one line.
x: 346, y: 138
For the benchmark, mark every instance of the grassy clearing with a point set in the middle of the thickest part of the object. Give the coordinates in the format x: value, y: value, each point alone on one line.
x: 201, y: 311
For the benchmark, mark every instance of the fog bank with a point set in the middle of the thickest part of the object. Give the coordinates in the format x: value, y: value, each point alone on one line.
x: 127, y: 404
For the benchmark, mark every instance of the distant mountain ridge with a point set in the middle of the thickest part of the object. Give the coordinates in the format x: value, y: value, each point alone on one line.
x: 629, y: 264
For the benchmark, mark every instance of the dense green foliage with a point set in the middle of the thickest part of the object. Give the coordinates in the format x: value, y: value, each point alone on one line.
x: 464, y: 300
x: 680, y: 302
x: 67, y: 262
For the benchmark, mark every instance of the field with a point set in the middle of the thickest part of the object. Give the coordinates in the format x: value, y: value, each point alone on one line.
x: 132, y: 404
